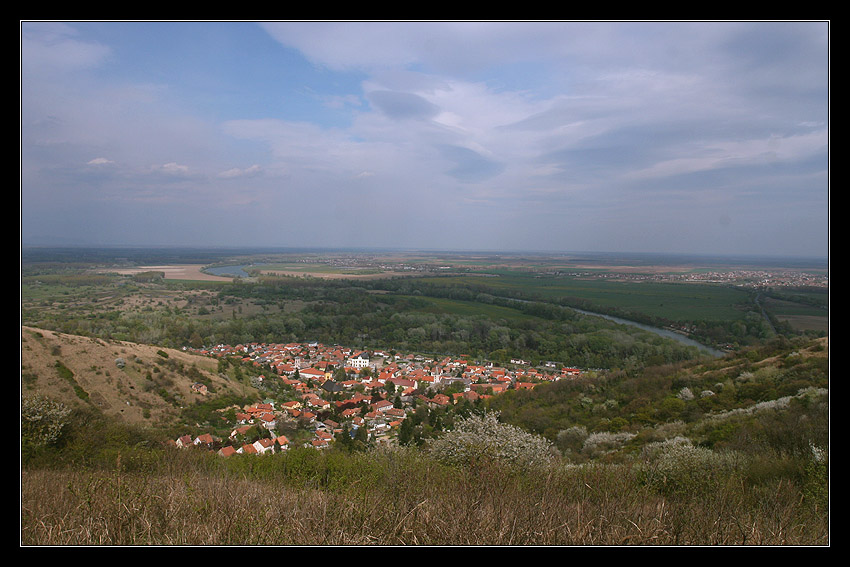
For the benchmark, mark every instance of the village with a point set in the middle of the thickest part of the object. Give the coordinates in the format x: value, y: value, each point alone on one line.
x: 337, y: 391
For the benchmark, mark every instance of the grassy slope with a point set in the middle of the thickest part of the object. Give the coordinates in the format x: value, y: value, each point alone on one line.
x: 134, y: 393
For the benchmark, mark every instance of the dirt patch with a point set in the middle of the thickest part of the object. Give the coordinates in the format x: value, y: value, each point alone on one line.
x: 176, y: 272
x: 333, y: 275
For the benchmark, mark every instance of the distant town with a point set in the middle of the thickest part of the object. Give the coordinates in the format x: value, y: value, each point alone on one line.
x: 372, y: 391
x: 742, y: 278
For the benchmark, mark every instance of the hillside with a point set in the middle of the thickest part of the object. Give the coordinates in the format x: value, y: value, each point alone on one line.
x: 637, y: 463
x: 150, y: 388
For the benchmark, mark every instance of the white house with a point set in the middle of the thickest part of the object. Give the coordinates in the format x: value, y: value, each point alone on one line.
x: 361, y: 360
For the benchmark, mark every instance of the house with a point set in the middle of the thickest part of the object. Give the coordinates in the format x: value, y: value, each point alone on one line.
x: 332, y: 386
x: 319, y: 403
x: 311, y: 374
x: 360, y: 360
x: 286, y: 369
x: 184, y: 441
x: 350, y: 412
x: 268, y: 420
x: 439, y: 400
x: 204, y: 439
x: 239, y: 431
x: 263, y: 445
x: 396, y: 413
x: 247, y: 450
x: 403, y: 384
x: 382, y: 406
x: 227, y: 451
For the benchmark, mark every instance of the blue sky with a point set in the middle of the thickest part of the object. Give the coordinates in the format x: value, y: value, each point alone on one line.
x: 672, y: 137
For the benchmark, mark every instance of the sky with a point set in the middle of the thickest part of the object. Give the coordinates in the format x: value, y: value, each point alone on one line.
x: 684, y: 137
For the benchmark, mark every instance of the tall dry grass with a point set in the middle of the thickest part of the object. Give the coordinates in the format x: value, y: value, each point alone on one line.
x: 409, y: 502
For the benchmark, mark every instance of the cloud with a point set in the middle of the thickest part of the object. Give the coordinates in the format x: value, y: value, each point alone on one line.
x: 470, y: 166
x: 237, y: 172
x: 757, y: 152
x: 173, y: 168
x: 403, y: 106
x: 55, y: 47
x: 612, y: 124
x: 100, y: 161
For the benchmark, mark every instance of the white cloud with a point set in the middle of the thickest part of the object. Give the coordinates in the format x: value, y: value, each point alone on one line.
x: 173, y: 167
x: 48, y: 48
x: 536, y: 120
x: 726, y: 153
x: 237, y: 172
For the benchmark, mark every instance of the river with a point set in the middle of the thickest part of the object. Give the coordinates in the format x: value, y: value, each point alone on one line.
x: 235, y: 271
x: 658, y: 331
x: 239, y: 272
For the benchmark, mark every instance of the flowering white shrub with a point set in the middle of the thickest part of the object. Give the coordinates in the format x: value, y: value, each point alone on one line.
x: 685, y: 394
x: 745, y: 376
x: 42, y: 420
x: 603, y: 441
x: 779, y: 403
x: 818, y: 454
x: 676, y: 466
x: 483, y: 438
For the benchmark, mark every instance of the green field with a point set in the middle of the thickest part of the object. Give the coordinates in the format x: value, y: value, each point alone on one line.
x: 800, y: 317
x: 673, y: 301
x: 470, y: 309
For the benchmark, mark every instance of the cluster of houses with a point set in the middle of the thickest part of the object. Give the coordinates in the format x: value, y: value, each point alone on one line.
x: 376, y: 391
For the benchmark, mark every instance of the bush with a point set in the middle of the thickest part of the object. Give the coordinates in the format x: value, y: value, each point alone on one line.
x: 572, y: 438
x: 42, y: 422
x: 816, y: 484
x: 677, y: 467
x: 605, y: 441
x: 479, y: 439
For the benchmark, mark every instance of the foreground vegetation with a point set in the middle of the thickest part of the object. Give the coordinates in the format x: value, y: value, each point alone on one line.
x: 398, y: 498
x: 744, y: 473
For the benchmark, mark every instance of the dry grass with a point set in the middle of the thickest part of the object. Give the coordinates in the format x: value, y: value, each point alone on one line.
x: 594, y: 506
x: 174, y: 272
x: 122, y: 392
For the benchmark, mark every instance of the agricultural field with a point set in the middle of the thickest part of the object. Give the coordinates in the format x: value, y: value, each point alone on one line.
x: 800, y: 317
x: 664, y: 300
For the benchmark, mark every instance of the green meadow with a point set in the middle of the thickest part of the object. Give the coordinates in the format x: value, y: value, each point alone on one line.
x: 672, y: 301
